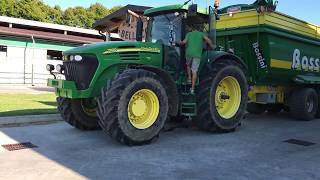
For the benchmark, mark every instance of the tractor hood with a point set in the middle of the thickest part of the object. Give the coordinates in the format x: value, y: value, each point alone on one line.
x: 115, y: 47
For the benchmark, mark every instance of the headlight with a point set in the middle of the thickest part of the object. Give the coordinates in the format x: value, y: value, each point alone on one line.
x: 78, y: 58
x: 50, y: 67
x: 71, y: 58
x: 60, y: 68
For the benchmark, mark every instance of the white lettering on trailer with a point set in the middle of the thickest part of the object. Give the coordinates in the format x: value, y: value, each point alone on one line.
x: 300, y: 62
x: 261, y: 60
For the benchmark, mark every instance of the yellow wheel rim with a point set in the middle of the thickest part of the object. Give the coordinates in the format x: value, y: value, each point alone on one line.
x: 228, y: 97
x: 143, y: 109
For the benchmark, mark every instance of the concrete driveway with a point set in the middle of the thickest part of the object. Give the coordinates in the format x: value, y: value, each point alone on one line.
x: 256, y: 151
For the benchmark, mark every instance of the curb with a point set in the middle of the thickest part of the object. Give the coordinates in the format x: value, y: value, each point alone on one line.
x: 15, y: 121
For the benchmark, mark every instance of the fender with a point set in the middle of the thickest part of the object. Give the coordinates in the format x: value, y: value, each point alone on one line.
x: 217, y: 55
x: 171, y: 88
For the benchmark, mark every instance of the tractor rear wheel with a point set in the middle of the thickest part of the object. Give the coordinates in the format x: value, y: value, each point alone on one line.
x: 222, y: 97
x: 304, y: 104
x: 79, y: 113
x: 133, y: 107
x: 255, y: 108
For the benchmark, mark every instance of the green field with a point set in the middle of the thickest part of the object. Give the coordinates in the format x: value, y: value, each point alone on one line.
x: 27, y: 104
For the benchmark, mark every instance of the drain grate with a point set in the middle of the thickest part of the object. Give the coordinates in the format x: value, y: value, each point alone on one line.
x: 19, y: 146
x: 299, y: 142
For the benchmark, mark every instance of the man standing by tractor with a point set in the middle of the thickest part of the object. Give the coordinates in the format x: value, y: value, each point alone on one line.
x: 194, y: 46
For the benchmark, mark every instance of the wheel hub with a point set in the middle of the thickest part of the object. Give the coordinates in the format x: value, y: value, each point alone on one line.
x: 310, y: 105
x: 228, y: 97
x: 143, y: 109
x: 139, y: 107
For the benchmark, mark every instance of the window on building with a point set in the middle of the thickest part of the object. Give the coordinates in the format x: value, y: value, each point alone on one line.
x: 54, y: 55
x: 3, y: 50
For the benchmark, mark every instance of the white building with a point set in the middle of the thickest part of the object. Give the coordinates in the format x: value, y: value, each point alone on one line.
x: 27, y: 46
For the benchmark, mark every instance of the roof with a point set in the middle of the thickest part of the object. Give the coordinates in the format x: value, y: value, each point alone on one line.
x: 111, y: 20
x: 15, y: 27
x: 176, y: 7
x: 14, y: 32
x: 47, y: 25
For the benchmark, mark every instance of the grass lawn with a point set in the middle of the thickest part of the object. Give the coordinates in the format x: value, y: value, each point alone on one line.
x: 27, y: 104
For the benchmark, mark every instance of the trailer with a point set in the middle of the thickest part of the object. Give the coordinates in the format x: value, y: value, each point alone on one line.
x: 282, y: 54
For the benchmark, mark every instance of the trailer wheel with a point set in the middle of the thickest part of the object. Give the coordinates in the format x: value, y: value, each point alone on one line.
x: 304, y: 104
x: 133, y: 107
x: 255, y: 108
x: 222, y: 97
x: 79, y: 113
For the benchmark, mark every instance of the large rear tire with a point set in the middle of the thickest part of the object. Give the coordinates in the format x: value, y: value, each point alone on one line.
x: 78, y: 113
x: 222, y: 97
x: 133, y: 107
x: 304, y: 104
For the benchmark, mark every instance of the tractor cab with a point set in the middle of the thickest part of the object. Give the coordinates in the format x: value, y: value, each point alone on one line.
x: 169, y: 25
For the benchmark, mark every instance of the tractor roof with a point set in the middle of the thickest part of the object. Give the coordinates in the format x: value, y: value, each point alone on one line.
x: 177, y: 7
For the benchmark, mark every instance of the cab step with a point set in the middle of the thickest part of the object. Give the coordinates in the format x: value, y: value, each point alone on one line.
x: 188, y: 109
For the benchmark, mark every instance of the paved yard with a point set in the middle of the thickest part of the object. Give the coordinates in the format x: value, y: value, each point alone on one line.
x: 255, y: 151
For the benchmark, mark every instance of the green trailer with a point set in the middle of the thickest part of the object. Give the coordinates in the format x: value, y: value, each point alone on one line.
x: 264, y: 61
x: 282, y: 54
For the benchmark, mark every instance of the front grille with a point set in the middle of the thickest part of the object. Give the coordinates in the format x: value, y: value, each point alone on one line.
x: 81, y: 72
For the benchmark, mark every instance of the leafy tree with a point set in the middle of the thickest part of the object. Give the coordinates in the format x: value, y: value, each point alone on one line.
x: 98, y: 11
x: 56, y: 15
x: 39, y: 11
x: 7, y: 8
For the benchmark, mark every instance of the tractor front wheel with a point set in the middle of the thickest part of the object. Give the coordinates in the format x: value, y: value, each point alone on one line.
x: 79, y: 113
x: 222, y: 97
x: 133, y: 107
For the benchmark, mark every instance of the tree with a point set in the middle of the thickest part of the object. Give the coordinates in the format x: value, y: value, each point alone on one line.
x: 98, y: 11
x: 7, y: 8
x: 39, y: 11
x: 56, y: 15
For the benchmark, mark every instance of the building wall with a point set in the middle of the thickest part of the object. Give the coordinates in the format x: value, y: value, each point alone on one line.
x: 127, y: 29
x: 24, y: 61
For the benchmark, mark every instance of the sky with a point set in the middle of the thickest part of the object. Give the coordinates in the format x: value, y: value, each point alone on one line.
x: 305, y: 10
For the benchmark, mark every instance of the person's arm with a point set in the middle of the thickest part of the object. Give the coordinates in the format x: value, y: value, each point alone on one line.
x: 184, y: 42
x: 208, y: 41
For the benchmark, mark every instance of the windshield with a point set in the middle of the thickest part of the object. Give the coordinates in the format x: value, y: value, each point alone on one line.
x: 165, y: 29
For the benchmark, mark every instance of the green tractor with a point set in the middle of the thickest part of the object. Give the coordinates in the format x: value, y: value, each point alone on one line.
x: 130, y: 89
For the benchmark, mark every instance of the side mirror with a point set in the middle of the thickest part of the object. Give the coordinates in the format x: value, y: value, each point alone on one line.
x: 193, y: 9
x: 139, y: 32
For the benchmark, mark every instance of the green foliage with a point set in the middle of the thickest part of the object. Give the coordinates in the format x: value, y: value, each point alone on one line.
x: 37, y: 10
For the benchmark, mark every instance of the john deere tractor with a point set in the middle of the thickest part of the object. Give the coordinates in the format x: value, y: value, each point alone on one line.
x: 130, y: 89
